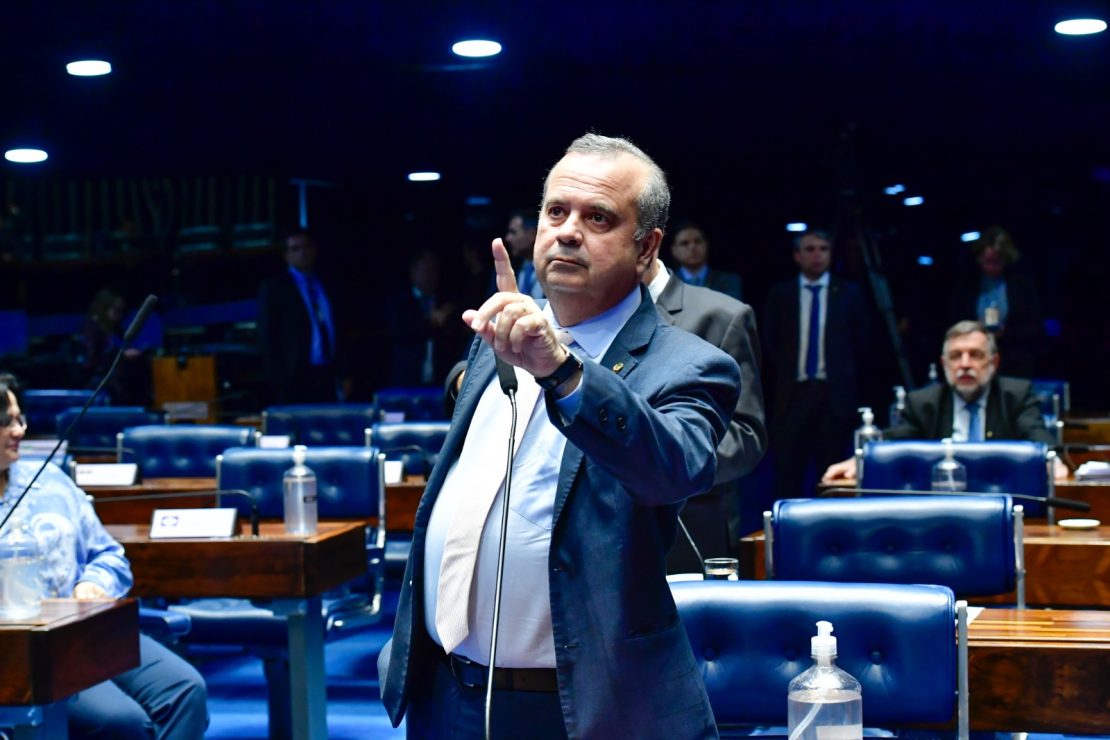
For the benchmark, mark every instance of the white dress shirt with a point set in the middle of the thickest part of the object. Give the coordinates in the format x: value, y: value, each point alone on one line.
x: 961, y: 417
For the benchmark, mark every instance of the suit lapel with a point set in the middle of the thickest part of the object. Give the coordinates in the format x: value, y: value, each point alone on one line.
x: 670, y: 300
x: 995, y: 421
x: 945, y: 419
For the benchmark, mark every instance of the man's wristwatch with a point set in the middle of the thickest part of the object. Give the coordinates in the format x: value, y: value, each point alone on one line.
x: 562, y: 374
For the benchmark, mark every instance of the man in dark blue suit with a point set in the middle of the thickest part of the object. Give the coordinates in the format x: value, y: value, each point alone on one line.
x: 620, y: 415
x: 815, y: 337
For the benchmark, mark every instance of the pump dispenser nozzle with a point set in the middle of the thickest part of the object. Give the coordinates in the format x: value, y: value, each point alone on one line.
x: 823, y: 644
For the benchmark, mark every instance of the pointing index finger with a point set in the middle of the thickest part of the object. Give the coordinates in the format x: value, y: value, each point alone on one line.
x: 506, y: 278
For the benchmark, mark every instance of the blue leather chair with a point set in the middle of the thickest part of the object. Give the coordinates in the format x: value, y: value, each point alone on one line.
x: 179, y: 450
x: 751, y: 638
x: 419, y: 403
x: 992, y: 467
x: 1055, y: 396
x: 320, y: 424
x: 971, y: 544
x: 415, y: 443
x: 42, y: 406
x: 98, y: 430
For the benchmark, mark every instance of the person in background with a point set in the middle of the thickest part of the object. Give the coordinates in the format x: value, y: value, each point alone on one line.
x: 690, y: 250
x: 422, y: 328
x: 1005, y: 302
x: 973, y: 404
x: 164, y: 697
x: 520, y: 237
x: 102, y: 337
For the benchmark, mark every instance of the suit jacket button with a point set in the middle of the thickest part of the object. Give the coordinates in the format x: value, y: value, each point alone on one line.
x: 603, y: 414
x: 621, y: 423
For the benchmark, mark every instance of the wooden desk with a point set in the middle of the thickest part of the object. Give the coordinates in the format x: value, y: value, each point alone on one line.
x: 72, y: 645
x: 1040, y: 671
x: 1094, y: 492
x: 401, y: 500
x: 293, y: 571
x: 139, y: 512
x: 1062, y: 567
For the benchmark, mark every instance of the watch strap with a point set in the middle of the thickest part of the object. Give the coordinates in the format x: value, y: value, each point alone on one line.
x: 570, y: 366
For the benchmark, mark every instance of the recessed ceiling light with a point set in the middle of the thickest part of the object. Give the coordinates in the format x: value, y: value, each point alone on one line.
x: 89, y: 68
x: 969, y: 236
x: 796, y: 226
x: 913, y: 200
x: 423, y: 176
x: 1081, y: 26
x: 477, y: 48
x: 894, y: 189
x: 925, y: 260
x: 25, y: 156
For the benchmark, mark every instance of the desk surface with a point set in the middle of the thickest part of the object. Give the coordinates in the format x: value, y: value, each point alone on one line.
x: 72, y: 645
x: 275, y: 565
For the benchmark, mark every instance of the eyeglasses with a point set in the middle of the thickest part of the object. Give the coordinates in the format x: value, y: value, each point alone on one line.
x: 7, y: 421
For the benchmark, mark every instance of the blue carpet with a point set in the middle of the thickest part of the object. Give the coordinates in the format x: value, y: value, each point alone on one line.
x: 237, y: 689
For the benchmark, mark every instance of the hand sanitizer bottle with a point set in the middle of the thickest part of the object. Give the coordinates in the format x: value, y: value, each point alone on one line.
x: 899, y: 405
x: 868, y: 432
x: 933, y: 377
x: 300, y: 495
x: 20, y: 563
x: 824, y: 702
x: 949, y: 474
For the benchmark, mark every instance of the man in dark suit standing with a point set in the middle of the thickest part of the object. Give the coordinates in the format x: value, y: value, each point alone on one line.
x: 975, y: 404
x: 713, y: 518
x: 296, y: 328
x: 815, y: 337
x: 620, y: 417
x: 691, y: 250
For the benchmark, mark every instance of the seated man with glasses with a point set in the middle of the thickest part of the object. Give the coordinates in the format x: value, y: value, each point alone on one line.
x: 975, y: 404
x: 164, y: 696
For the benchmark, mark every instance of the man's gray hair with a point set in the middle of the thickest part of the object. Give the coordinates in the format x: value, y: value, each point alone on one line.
x: 963, y: 328
x: 654, y: 201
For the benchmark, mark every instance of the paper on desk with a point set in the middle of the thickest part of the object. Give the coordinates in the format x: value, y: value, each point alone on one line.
x: 1093, y: 470
x: 973, y: 612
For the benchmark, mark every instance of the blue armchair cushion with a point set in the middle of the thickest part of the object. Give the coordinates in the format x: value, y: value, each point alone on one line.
x: 419, y: 403
x: 180, y: 450
x: 320, y: 424
x: 415, y: 443
x: 102, y: 423
x: 41, y: 407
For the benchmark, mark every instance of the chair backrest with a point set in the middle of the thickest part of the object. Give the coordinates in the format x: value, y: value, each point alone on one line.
x: 42, y: 406
x: 349, y: 480
x: 751, y: 638
x: 321, y: 424
x: 419, y: 403
x: 966, y: 543
x: 1054, y: 394
x: 99, y: 427
x: 1006, y: 466
x: 179, y: 450
x: 415, y: 443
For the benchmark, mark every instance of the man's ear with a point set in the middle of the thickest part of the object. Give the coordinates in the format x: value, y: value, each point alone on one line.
x: 649, y: 248
x: 996, y: 360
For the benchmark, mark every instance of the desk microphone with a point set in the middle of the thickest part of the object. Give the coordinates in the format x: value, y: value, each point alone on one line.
x: 1059, y: 503
x: 132, y: 330
x: 187, y: 494
x: 506, y: 376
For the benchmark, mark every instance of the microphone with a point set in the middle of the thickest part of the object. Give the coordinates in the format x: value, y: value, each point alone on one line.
x: 136, y: 325
x: 506, y: 376
x: 1059, y: 503
x: 254, y: 517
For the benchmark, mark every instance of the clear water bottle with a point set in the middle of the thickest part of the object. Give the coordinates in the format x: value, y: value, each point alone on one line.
x: 300, y: 495
x: 20, y: 572
x: 933, y: 377
x: 868, y: 432
x: 824, y: 702
x: 899, y: 405
x: 949, y: 474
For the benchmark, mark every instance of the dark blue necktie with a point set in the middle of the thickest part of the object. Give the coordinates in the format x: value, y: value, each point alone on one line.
x: 314, y: 291
x: 974, y: 429
x: 813, y: 347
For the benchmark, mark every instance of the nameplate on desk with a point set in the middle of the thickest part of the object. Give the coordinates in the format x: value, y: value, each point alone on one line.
x: 188, y: 523
x: 273, y: 441
x: 394, y: 471
x: 107, y: 474
x: 393, y: 417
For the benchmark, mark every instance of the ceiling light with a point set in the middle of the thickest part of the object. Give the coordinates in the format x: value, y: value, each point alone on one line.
x: 25, y: 156
x: 894, y: 189
x: 89, y: 68
x: 479, y: 200
x: 1080, y: 26
x: 476, y: 48
x: 913, y: 200
x: 925, y: 260
x: 969, y: 236
x: 423, y: 176
x: 796, y: 226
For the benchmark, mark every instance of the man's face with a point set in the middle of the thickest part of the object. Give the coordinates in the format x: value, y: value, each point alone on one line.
x: 518, y: 239
x: 586, y: 257
x: 11, y: 434
x: 969, y: 364
x: 813, y: 256
x: 992, y: 261
x: 300, y: 252
x: 690, y: 248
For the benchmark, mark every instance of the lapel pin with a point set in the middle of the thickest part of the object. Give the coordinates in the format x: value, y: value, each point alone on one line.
x: 618, y: 367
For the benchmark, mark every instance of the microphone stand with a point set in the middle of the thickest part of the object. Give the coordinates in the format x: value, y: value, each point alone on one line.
x: 507, y: 378
x: 136, y: 324
x: 254, y: 517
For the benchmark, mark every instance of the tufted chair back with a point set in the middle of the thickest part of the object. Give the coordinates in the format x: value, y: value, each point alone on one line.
x: 751, y: 638
x: 320, y: 424
x: 179, y: 450
x: 971, y: 544
x: 101, y: 424
x: 415, y: 443
x: 419, y: 403
x: 41, y: 407
x: 992, y: 467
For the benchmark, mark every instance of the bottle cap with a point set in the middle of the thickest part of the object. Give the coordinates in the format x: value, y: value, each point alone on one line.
x: 823, y: 644
x: 868, y: 415
x: 299, y: 452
